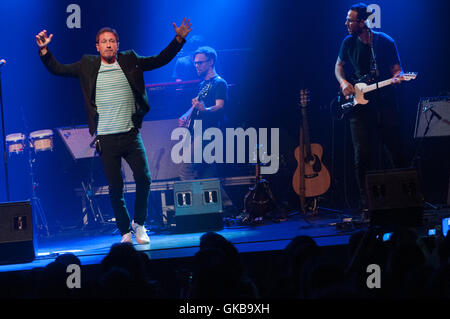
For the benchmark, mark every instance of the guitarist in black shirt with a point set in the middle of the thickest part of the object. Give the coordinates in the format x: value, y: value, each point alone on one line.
x: 373, y: 55
x: 208, y: 107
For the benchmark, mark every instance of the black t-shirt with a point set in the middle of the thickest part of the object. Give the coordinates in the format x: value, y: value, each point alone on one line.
x: 218, y: 90
x: 359, y: 55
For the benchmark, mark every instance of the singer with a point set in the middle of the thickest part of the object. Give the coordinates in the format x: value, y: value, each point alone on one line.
x: 116, y: 102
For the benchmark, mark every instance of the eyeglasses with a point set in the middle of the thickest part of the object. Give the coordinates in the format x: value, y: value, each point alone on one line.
x: 351, y: 21
x: 200, y: 62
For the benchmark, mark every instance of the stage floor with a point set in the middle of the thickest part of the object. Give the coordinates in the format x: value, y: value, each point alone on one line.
x: 91, y: 246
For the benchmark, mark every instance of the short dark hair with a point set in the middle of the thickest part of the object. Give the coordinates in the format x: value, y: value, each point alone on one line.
x: 208, y: 51
x: 106, y: 29
x: 361, y: 9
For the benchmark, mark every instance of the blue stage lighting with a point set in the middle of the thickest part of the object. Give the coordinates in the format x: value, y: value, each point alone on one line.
x: 445, y: 224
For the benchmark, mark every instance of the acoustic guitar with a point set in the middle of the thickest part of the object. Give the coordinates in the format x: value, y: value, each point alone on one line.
x: 311, y: 178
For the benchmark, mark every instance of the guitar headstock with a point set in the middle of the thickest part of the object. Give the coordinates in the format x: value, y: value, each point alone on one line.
x: 409, y: 76
x: 305, y: 97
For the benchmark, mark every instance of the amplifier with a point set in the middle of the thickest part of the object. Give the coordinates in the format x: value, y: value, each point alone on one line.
x: 198, y: 205
x: 433, y: 117
x: 395, y: 198
x: 16, y: 233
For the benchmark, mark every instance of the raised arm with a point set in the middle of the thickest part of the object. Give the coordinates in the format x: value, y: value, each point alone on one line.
x: 166, y: 55
x: 49, y: 61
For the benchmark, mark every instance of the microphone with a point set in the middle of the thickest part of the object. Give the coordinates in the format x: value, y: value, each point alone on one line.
x: 2, y: 62
x: 94, y: 141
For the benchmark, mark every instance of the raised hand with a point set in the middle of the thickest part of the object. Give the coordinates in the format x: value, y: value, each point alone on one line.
x: 183, y: 30
x: 42, y: 40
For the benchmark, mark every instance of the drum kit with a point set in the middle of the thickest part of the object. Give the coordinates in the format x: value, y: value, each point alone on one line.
x: 37, y: 141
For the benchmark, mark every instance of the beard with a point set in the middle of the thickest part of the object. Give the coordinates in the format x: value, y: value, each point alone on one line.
x: 202, y: 74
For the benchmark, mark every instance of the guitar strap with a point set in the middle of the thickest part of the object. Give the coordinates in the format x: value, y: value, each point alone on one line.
x: 373, y: 63
x: 374, y: 68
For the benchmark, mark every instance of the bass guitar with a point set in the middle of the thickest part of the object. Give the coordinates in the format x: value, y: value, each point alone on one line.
x: 362, y: 87
x: 311, y: 178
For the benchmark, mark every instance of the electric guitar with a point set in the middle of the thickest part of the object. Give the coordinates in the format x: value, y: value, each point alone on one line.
x: 190, y: 121
x: 362, y: 87
x: 311, y: 178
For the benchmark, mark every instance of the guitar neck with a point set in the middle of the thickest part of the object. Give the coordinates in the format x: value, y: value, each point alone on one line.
x: 307, y: 143
x: 379, y: 85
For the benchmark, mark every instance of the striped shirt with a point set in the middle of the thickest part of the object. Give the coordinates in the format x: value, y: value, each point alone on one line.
x: 114, y: 100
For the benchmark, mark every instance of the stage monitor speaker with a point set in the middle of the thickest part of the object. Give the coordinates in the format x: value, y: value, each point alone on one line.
x: 395, y: 198
x: 16, y: 233
x: 198, y: 205
x: 433, y: 117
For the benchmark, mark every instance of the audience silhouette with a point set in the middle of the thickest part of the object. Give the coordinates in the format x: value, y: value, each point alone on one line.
x: 412, y: 266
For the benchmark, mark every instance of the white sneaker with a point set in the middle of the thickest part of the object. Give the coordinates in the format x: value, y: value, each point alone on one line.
x: 126, y: 238
x: 141, y: 234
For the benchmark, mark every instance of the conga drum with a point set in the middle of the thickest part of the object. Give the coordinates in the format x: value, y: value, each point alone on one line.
x: 15, y: 143
x: 42, y: 140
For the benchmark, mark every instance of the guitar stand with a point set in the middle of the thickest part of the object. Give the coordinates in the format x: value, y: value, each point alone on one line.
x: 314, y: 208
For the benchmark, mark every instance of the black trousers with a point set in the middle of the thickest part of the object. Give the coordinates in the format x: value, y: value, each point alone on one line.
x: 372, y: 124
x: 113, y: 148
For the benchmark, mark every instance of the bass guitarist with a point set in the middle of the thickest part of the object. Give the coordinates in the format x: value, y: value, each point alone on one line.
x: 372, y: 55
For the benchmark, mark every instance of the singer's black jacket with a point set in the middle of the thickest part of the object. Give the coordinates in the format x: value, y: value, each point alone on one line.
x: 133, y: 67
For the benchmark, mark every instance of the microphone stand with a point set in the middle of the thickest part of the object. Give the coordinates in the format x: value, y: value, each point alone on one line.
x: 5, y: 157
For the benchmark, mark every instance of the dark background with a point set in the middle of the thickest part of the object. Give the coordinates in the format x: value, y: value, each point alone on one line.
x: 268, y: 50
